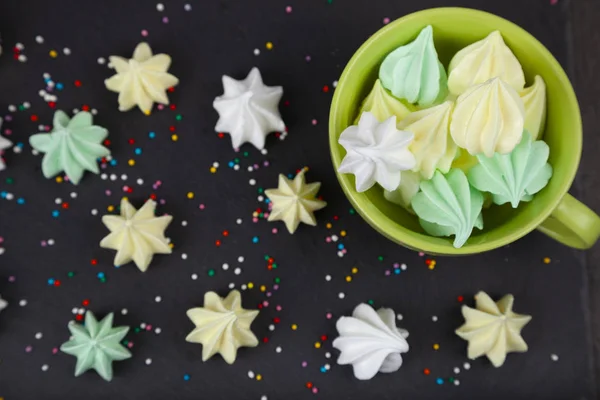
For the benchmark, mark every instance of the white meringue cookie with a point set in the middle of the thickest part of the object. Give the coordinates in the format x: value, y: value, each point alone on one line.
x: 248, y: 110
x: 376, y: 152
x: 370, y: 341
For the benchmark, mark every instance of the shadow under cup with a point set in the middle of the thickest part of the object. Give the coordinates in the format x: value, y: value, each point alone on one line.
x: 453, y: 29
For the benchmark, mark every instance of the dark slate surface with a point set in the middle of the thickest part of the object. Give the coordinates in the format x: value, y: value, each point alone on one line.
x: 215, y: 38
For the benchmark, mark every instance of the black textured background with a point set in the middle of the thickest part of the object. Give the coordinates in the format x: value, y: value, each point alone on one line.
x: 215, y: 38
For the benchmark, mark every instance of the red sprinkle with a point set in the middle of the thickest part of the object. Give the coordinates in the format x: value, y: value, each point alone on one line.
x: 77, y: 83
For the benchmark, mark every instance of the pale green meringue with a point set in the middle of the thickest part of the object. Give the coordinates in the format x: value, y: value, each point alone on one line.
x: 448, y: 205
x: 413, y: 71
x: 514, y: 177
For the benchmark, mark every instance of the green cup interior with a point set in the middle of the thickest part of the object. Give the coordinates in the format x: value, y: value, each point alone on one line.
x: 455, y: 28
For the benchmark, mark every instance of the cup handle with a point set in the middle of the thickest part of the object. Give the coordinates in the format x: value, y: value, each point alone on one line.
x: 572, y: 223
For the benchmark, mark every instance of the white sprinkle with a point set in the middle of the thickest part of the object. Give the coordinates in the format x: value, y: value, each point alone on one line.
x: 94, y: 211
x: 157, y: 331
x: 250, y: 169
x: 103, y: 176
x: 467, y: 366
x: 260, y: 199
x: 160, y: 7
x: 187, y: 7
x: 278, y: 349
x: 216, y: 164
x: 327, y: 278
x: 263, y: 152
x: 400, y: 317
x: 124, y: 311
x: 554, y: 357
x: 39, y: 39
x: 38, y: 335
x: 456, y: 370
x: 327, y: 367
x: 403, y: 267
x: 183, y: 223
x: 57, y: 200
x: 50, y: 242
x: 252, y: 182
x: 73, y: 195
x: 240, y: 259
x: 263, y: 397
x: 334, y: 238
x: 45, y: 367
x: 238, y: 221
x: 194, y: 276
x: 124, y: 177
x: 67, y: 51
x: 148, y: 361
x: 19, y: 46
x: 434, y: 318
x: 335, y: 83
x: 271, y: 327
x: 184, y: 256
x: 81, y: 311
x: 456, y: 382
x: 256, y: 52
x: 225, y: 266
x: 42, y: 93
x: 101, y: 60
x: 113, y: 177
x: 237, y: 271
x: 23, y: 303
x: 157, y: 299
x: 12, y: 108
x: 231, y: 285
x: 341, y: 295
x: 143, y: 325
x: 26, y: 104
x: 250, y: 374
x: 236, y: 167
x: 140, y: 181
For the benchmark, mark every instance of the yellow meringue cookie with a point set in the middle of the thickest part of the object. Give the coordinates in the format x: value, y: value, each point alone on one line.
x: 534, y: 99
x: 432, y: 146
x: 383, y: 105
x: 483, y: 60
x: 488, y: 118
x: 464, y: 161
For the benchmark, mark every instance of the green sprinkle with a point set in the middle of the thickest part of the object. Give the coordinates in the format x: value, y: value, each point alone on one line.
x: 245, y: 154
x: 178, y: 117
x: 9, y: 181
x: 371, y: 302
x: 71, y: 274
x: 277, y: 280
x: 260, y: 190
x: 274, y: 265
x: 136, y: 330
x: 352, y: 212
x: 450, y: 380
x: 380, y: 258
x: 236, y: 160
x: 211, y: 272
x: 267, y: 257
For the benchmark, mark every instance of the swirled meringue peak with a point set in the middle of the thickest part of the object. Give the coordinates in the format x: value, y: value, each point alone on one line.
x: 413, y: 71
x: 383, y: 105
x: 488, y: 118
x: 482, y: 61
x: 448, y: 205
x: 376, y: 152
x: 432, y: 146
x: 534, y: 99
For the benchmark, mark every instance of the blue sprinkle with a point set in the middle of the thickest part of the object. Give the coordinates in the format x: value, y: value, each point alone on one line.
x: 340, y: 246
x: 20, y: 145
x: 255, y: 239
x: 439, y: 381
x: 323, y: 369
x: 113, y: 162
x: 59, y: 86
x: 267, y: 200
x: 397, y: 271
x: 55, y: 213
x: 152, y: 135
x: 100, y: 275
x: 230, y: 164
x: 51, y: 281
x: 138, y: 151
x: 3, y: 194
x: 21, y: 200
x: 186, y: 377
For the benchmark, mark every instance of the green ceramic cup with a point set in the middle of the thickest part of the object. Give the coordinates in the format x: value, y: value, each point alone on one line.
x: 552, y: 211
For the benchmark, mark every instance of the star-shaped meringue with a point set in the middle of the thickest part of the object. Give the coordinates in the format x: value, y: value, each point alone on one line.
x: 222, y: 326
x: 248, y: 110
x: 96, y: 345
x: 73, y: 146
x: 136, y: 235
x: 376, y: 152
x: 4, y: 144
x: 141, y: 80
x: 3, y: 304
x: 493, y: 329
x: 295, y: 201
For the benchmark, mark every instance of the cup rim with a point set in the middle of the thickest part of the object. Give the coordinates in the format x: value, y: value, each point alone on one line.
x: 392, y: 230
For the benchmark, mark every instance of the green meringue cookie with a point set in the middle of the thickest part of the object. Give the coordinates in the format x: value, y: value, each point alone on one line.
x: 73, y: 146
x: 413, y: 71
x: 96, y: 345
x: 448, y: 205
x: 516, y: 176
x: 383, y: 105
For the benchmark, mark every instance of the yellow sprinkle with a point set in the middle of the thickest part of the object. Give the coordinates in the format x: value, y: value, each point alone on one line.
x: 348, y: 278
x: 343, y: 233
x: 174, y: 137
x: 294, y: 327
x: 317, y: 345
x: 125, y: 198
x: 328, y: 226
x: 53, y: 53
x: 250, y: 285
x: 171, y: 245
x: 269, y: 46
x: 259, y: 377
x: 255, y: 214
x: 263, y: 288
x: 431, y: 266
x: 190, y: 195
x: 131, y: 162
x: 436, y: 346
x: 547, y: 260
x: 213, y: 170
x: 59, y: 179
x: 110, y: 208
x: 354, y: 270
